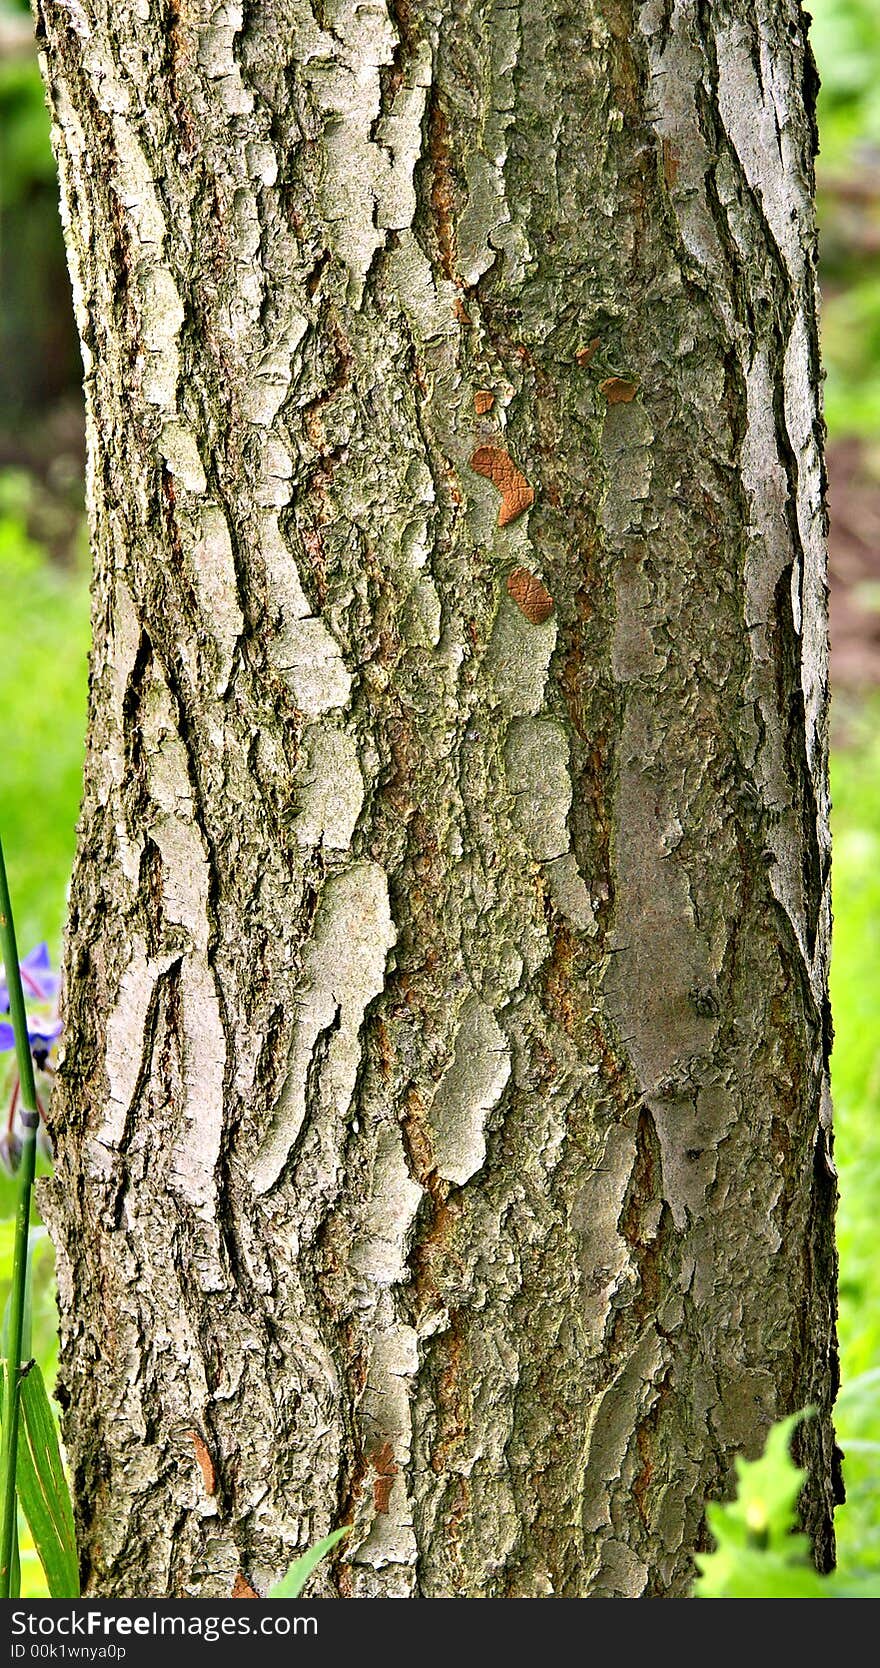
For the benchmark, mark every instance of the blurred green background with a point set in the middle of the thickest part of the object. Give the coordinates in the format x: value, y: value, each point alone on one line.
x: 44, y: 636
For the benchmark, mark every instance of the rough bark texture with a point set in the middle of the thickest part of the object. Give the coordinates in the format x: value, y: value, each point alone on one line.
x: 443, y: 1129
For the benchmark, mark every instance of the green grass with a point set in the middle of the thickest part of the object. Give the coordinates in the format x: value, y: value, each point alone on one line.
x: 855, y: 996
x: 43, y: 673
x: 43, y: 648
x: 846, y: 41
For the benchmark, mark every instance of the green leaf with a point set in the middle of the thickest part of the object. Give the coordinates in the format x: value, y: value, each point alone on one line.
x: 757, y: 1554
x: 764, y: 1511
x: 744, y: 1572
x: 7, y: 1243
x: 292, y: 1584
x: 35, y: 1236
x: 15, y: 1567
x: 43, y: 1490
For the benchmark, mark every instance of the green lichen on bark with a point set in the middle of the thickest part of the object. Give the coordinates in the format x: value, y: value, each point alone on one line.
x: 441, y: 1131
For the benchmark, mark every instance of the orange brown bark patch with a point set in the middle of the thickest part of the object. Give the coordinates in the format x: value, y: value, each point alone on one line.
x: 585, y: 354
x: 483, y: 401
x: 418, y: 1141
x: 206, y: 1464
x: 531, y: 597
x: 386, y: 1471
x: 243, y: 1588
x: 497, y: 466
x: 617, y: 390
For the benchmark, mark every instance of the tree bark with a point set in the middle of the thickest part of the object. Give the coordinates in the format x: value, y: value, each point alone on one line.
x: 443, y: 1127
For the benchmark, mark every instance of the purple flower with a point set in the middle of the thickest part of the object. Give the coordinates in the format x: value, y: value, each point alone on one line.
x: 40, y: 985
x: 40, y: 988
x: 42, y: 1033
x: 39, y: 982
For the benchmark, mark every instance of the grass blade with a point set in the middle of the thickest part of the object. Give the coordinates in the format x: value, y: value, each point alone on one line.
x: 14, y: 1560
x: 43, y: 1490
x: 15, y: 1568
x: 291, y: 1585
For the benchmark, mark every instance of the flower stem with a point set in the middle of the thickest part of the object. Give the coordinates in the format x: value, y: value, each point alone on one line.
x: 29, y: 1119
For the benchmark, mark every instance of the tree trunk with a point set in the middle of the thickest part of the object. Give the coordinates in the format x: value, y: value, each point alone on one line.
x: 443, y: 1128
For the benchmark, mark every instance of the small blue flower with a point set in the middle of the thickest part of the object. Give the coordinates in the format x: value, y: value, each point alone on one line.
x: 42, y: 1034
x: 40, y: 986
x: 39, y: 982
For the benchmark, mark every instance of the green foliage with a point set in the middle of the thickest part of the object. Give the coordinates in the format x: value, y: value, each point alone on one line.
x: 25, y: 151
x: 757, y: 1553
x: 31, y: 1471
x: 845, y: 35
x: 44, y: 618
x: 44, y: 612
x: 26, y: 156
x: 851, y: 352
x: 846, y: 41
x: 42, y: 1488
x: 855, y: 1073
x: 291, y: 1585
x: 43, y: 1319
x: 42, y: 1307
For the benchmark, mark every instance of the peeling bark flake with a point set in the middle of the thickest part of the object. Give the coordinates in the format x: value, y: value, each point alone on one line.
x: 516, y: 494
x: 206, y: 1464
x: 531, y: 597
x: 243, y: 1589
x: 617, y: 390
